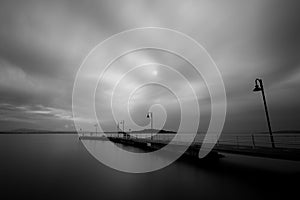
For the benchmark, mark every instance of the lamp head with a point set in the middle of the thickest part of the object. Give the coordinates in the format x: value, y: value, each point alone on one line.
x: 256, y: 88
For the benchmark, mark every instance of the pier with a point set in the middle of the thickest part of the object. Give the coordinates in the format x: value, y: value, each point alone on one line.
x: 287, y: 145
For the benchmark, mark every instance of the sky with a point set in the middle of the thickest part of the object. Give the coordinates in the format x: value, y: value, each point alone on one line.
x: 43, y: 43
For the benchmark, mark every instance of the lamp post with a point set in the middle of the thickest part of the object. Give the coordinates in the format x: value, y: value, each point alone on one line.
x: 123, y: 124
x: 259, y: 87
x: 118, y: 129
x: 96, y: 125
x: 123, y: 130
x: 150, y: 116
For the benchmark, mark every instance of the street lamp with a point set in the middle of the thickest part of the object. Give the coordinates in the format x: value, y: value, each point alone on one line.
x: 81, y: 132
x: 118, y: 129
x: 96, y: 125
x: 259, y: 87
x: 150, y: 116
x: 123, y: 124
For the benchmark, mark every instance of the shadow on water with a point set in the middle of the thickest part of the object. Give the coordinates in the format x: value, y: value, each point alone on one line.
x: 59, y: 167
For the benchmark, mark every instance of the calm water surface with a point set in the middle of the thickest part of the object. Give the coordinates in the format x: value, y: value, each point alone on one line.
x: 59, y: 167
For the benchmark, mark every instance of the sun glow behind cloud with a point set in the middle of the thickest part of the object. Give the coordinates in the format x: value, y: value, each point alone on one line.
x: 124, y: 76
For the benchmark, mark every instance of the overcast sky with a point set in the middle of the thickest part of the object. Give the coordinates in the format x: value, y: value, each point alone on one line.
x: 43, y: 43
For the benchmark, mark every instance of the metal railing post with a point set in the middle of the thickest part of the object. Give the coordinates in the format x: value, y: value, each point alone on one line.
x: 253, y: 140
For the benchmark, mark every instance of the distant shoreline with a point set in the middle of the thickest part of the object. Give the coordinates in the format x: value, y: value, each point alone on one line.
x: 40, y: 133
x: 138, y: 132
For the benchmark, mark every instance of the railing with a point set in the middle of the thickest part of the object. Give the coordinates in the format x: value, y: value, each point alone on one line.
x: 255, y: 140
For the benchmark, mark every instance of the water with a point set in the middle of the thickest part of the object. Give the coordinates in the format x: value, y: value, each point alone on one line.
x: 59, y: 167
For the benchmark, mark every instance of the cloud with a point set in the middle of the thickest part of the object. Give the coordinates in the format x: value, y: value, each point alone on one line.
x: 17, y: 86
x: 36, y: 116
x: 44, y: 42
